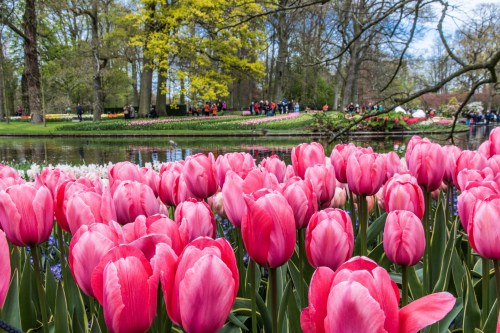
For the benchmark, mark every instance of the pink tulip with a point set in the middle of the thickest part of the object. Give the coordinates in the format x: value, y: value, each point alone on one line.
x: 125, y: 286
x: 451, y: 154
x: 152, y: 179
x: 329, y: 238
x: 123, y: 171
x: 154, y: 225
x: 426, y: 163
x: 306, y: 155
x: 240, y: 163
x: 257, y: 179
x: 365, y: 173
x: 268, y: 228
x: 216, y: 202
x: 494, y: 140
x: 52, y: 178
x: 88, y: 245
x: 468, y: 198
x: 169, y: 183
x: 340, y: 155
x: 232, y: 198
x: 195, y: 219
x: 466, y: 176
x: 468, y: 160
x: 199, y: 174
x: 4, y: 268
x: 132, y: 199
x: 87, y: 207
x: 9, y: 181
x: 485, y: 149
x: 64, y: 191
x: 26, y: 214
x: 323, y: 182
x: 402, y: 192
x: 301, y: 197
x: 392, y: 164
x: 289, y: 173
x: 8, y: 172
x: 206, y: 279
x: 404, y: 239
x: 411, y: 144
x: 340, y: 198
x: 274, y: 165
x: 494, y: 164
x: 484, y: 227
x: 361, y: 297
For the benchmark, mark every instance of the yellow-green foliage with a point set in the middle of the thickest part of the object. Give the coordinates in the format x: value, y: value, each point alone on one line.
x: 205, y: 43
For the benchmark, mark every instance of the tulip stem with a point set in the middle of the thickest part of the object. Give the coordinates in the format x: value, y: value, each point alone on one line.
x: 254, y: 290
x: 274, y: 297
x: 448, y: 205
x: 496, y: 263
x: 62, y: 250
x: 404, y: 285
x: 427, y: 265
x: 485, y: 291
x: 363, y: 223
x: 353, y: 210
x: 240, y: 261
x: 41, y: 292
x: 302, y: 258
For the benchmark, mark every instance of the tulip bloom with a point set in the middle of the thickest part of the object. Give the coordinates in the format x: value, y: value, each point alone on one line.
x: 240, y: 163
x: 274, y: 165
x: 4, y: 268
x: 468, y: 198
x: 88, y: 245
x: 204, y: 286
x: 402, y: 192
x: 52, y: 178
x: 199, y: 173
x: 306, y: 155
x: 87, y: 207
x: 340, y: 155
x: 125, y: 286
x: 151, y: 178
x: 340, y: 198
x: 301, y: 197
x: 169, y: 183
x: 451, y: 154
x: 26, y: 214
x: 123, y: 171
x: 426, y: 163
x: 361, y: 297
x: 195, y: 219
x: 268, y: 228
x: 232, y: 198
x: 494, y: 140
x: 329, y: 238
x: 365, y: 173
x: 484, y: 227
x: 392, y: 164
x: 323, y: 182
x: 468, y: 160
x: 404, y: 239
x: 466, y: 177
x: 132, y: 199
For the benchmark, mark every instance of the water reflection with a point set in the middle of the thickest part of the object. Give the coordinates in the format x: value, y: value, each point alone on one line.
x: 141, y: 151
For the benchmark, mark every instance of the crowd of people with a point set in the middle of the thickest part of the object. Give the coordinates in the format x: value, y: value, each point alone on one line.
x: 271, y: 108
x: 475, y: 117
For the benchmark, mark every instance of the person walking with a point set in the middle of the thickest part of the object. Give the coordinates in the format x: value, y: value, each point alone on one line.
x: 79, y: 112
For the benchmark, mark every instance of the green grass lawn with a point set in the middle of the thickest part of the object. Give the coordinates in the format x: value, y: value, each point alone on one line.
x: 304, y: 123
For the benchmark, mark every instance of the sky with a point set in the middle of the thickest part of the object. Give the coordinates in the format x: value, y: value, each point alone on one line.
x: 458, y: 15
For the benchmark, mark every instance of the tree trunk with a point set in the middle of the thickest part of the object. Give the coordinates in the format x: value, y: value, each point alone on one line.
x: 279, y: 75
x: 135, y: 98
x: 32, y: 70
x: 25, y: 100
x: 98, y: 65
x: 146, y: 86
x: 161, y: 96
x: 2, y: 86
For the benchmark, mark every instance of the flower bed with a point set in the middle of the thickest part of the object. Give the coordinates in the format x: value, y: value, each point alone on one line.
x: 174, y: 120
x: 270, y: 119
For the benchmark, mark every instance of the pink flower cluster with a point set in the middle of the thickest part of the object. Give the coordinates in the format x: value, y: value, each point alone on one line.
x: 171, y: 120
x: 269, y: 119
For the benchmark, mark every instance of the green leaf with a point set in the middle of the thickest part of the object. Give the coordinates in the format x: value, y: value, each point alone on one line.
x: 296, y: 277
x: 438, y: 243
x: 472, y: 315
x: 266, y: 317
x: 491, y: 321
x: 373, y: 231
x: 11, y: 312
x: 458, y: 273
x: 61, y: 311
x: 75, y: 304
x: 229, y: 328
x: 28, y: 297
x: 284, y: 304
x: 95, y: 326
x: 444, y: 274
x: 414, y: 283
x: 50, y: 289
x: 235, y: 321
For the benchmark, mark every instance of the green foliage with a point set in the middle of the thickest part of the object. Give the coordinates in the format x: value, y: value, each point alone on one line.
x: 385, y: 123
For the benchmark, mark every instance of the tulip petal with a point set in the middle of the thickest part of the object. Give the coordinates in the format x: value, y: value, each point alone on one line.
x: 425, y: 311
x: 351, y: 309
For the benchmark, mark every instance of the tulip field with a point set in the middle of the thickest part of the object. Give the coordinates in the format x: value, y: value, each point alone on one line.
x: 350, y: 242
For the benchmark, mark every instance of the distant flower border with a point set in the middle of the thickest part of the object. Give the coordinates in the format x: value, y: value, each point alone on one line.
x: 173, y: 120
x: 269, y: 119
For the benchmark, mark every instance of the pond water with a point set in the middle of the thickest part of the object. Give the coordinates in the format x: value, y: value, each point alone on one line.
x: 143, y: 150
